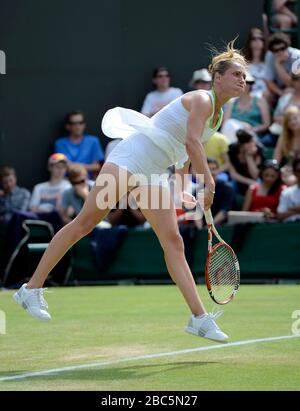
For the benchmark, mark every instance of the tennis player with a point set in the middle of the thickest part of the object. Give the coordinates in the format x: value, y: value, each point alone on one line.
x: 173, y: 136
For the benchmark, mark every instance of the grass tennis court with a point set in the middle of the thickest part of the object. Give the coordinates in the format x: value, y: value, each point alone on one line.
x: 100, y: 324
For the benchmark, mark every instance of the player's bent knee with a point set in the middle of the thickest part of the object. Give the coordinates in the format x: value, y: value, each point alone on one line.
x: 173, y: 243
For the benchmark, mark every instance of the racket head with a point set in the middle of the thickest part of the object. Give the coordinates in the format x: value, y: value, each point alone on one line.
x: 222, y: 273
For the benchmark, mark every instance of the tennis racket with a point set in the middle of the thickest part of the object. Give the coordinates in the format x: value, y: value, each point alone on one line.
x: 222, y: 270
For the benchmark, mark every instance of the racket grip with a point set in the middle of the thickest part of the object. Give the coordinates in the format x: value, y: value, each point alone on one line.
x: 208, y: 217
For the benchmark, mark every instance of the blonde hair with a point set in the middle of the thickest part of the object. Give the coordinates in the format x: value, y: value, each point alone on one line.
x: 221, y: 61
x: 287, y: 134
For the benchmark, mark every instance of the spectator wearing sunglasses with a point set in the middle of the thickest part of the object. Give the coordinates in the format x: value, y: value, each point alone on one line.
x: 74, y: 197
x: 79, y: 147
x: 281, y: 61
x: 255, y: 51
x: 163, y: 93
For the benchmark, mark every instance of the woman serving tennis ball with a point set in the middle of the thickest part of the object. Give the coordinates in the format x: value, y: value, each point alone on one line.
x: 172, y: 136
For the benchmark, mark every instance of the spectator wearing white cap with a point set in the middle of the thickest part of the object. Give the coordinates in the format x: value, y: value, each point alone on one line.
x: 162, y: 94
x: 46, y: 196
x: 201, y: 80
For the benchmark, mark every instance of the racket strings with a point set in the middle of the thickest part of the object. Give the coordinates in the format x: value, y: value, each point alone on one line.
x: 223, y: 273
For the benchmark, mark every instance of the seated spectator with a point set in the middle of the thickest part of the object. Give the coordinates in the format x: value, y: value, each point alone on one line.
x: 12, y: 197
x: 280, y: 61
x: 46, y: 196
x: 292, y: 98
x: 73, y: 198
x: 246, y: 157
x: 224, y: 200
x: 79, y: 147
x: 289, y: 204
x: 288, y: 145
x: 255, y: 51
x: 217, y: 147
x: 264, y: 195
x: 251, y: 112
x: 283, y: 17
x: 201, y: 80
x: 123, y: 214
x: 163, y: 93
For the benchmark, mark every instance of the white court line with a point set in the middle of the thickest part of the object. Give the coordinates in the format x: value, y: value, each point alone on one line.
x: 142, y: 357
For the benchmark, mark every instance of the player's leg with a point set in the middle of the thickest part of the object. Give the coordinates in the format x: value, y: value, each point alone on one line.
x: 164, y: 223
x: 95, y: 208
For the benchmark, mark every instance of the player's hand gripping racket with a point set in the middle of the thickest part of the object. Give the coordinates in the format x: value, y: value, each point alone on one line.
x: 222, y: 270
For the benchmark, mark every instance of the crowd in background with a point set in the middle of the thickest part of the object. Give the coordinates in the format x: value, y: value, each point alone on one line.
x: 254, y: 158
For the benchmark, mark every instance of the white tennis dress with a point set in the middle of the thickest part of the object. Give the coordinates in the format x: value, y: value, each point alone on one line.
x: 151, y: 145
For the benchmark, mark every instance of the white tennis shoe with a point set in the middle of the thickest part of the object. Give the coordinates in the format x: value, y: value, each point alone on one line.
x: 33, y: 301
x: 206, y: 327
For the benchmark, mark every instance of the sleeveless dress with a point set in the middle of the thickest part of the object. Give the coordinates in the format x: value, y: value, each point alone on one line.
x: 151, y: 145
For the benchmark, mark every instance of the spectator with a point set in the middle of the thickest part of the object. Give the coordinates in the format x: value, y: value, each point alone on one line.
x: 251, y: 112
x: 288, y: 145
x: 264, y: 195
x: 73, y: 198
x: 12, y: 197
x: 246, y: 157
x: 283, y: 17
x: 46, y: 196
x: 79, y: 147
x: 255, y: 51
x: 225, y: 196
x: 289, y: 204
x: 201, y: 80
x: 280, y: 60
x: 291, y: 98
x: 163, y: 93
x: 217, y: 147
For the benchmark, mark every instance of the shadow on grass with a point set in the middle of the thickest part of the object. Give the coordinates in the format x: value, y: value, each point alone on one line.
x: 120, y: 373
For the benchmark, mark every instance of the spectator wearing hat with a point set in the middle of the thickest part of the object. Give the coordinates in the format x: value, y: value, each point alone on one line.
x: 201, y: 80
x: 281, y: 62
x: 289, y: 204
x: 248, y: 112
x: 12, y: 197
x: 162, y: 94
x: 46, y: 196
x: 79, y: 147
x: 264, y: 195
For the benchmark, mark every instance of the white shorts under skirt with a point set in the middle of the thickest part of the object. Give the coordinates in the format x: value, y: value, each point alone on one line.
x: 139, y: 155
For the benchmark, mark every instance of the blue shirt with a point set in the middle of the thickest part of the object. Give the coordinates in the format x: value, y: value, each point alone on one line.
x: 86, y: 152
